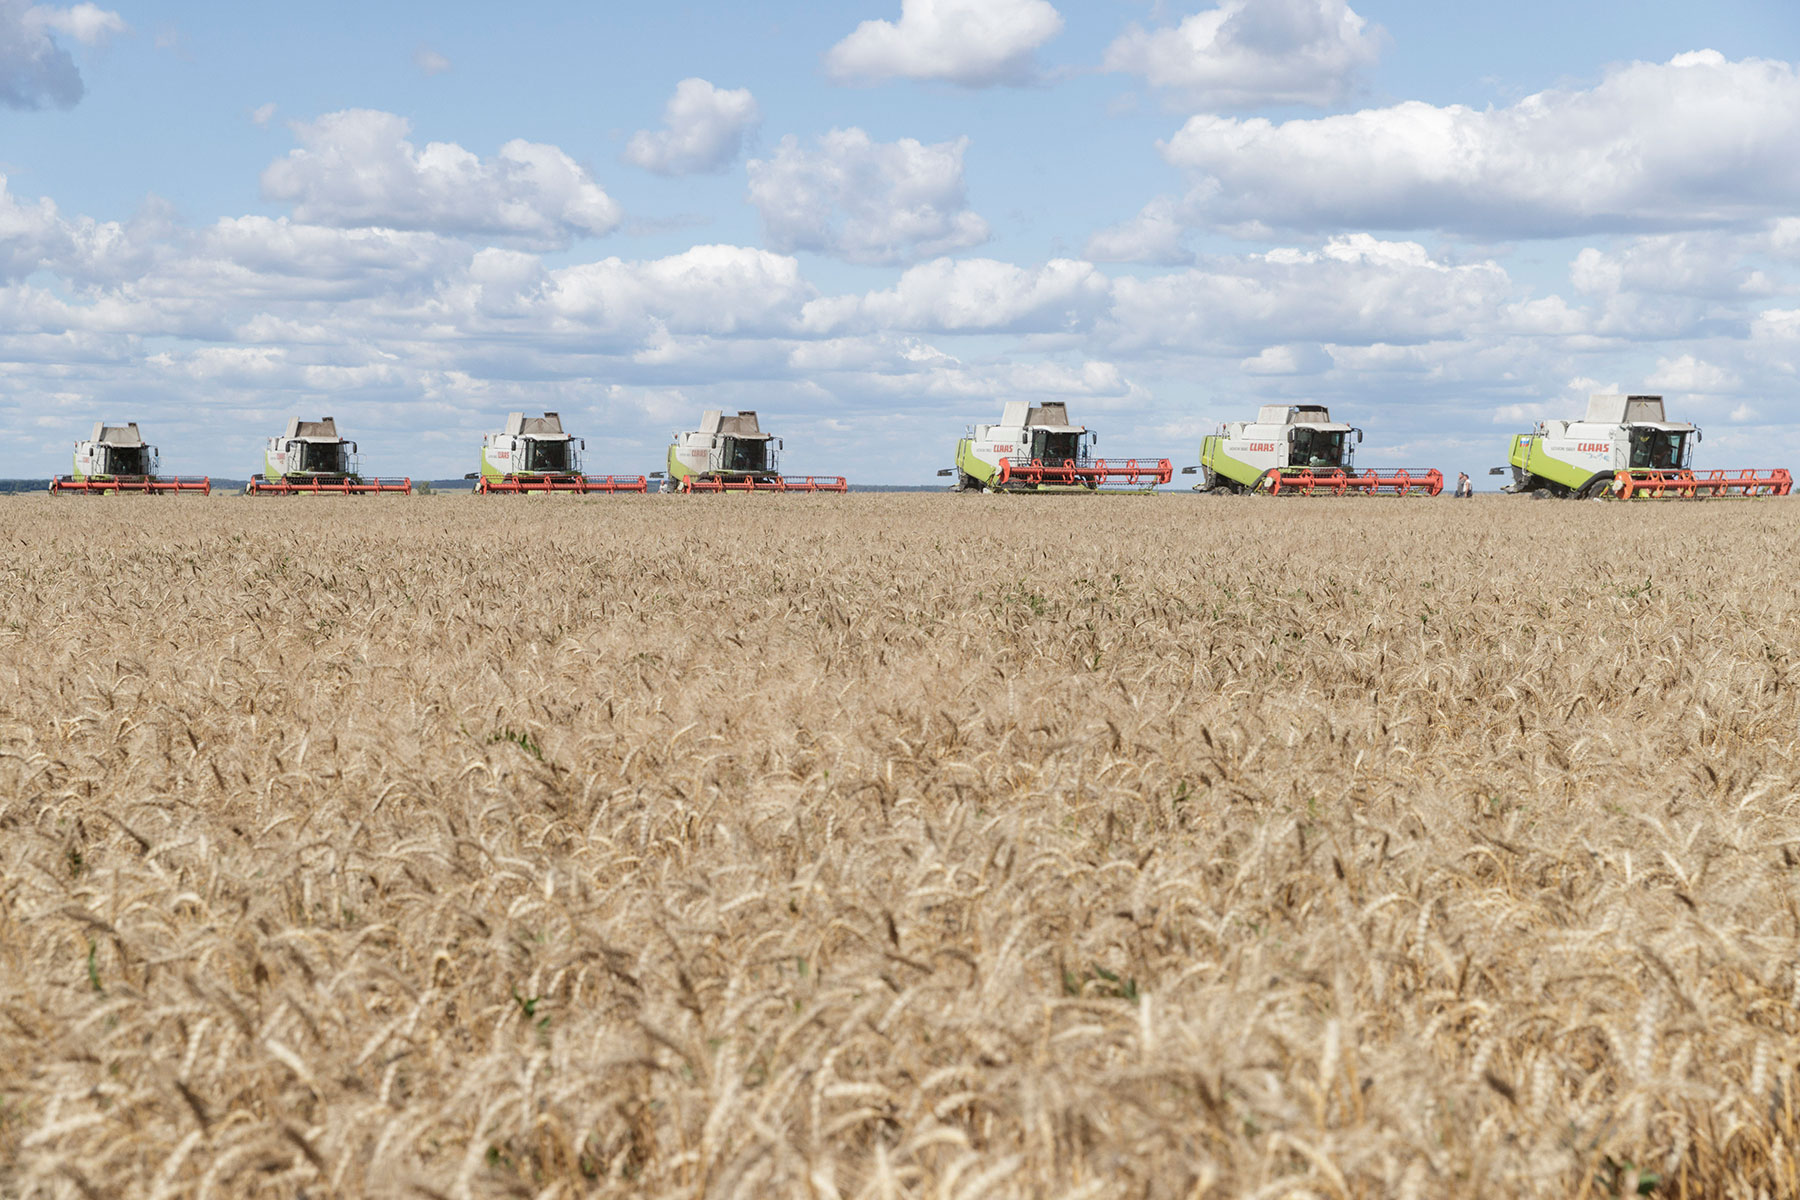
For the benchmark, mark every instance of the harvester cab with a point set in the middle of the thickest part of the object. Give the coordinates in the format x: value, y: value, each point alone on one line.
x: 1626, y: 447
x: 1035, y: 448
x: 311, y: 458
x: 115, y: 450
x: 1297, y: 449
x: 117, y: 459
x: 534, y: 455
x: 731, y: 453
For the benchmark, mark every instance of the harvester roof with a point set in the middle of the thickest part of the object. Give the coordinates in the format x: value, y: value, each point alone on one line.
x: 315, y: 431
x: 1051, y: 418
x: 547, y: 426
x: 737, y: 425
x: 117, y: 435
x: 1610, y: 409
x: 1313, y: 416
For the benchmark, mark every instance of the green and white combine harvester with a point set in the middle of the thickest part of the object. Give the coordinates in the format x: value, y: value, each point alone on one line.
x: 1034, y: 448
x: 1298, y: 450
x: 115, y: 460
x: 1626, y: 448
x: 311, y: 459
x: 731, y: 453
x: 533, y: 456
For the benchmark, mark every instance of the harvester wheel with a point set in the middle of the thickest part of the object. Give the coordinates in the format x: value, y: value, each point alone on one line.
x: 1594, y: 489
x: 966, y: 482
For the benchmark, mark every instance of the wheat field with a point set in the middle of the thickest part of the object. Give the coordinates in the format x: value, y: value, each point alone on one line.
x: 898, y: 846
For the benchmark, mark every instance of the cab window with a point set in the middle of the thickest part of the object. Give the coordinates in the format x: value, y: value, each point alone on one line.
x: 1316, y: 448
x: 1657, y: 450
x: 321, y: 458
x: 1059, y: 447
x: 745, y: 454
x: 547, y: 457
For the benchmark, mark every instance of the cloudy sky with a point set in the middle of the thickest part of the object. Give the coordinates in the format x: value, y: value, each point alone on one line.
x: 875, y: 222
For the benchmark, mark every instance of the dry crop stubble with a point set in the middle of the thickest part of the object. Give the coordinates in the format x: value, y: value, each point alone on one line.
x: 927, y: 845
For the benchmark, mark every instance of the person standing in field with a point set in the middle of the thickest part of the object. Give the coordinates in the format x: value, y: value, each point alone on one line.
x: 1464, y: 489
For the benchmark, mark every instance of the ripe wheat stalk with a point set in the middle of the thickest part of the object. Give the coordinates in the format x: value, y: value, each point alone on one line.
x: 898, y: 846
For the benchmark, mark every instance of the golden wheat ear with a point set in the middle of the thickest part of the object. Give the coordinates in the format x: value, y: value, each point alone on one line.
x: 882, y: 846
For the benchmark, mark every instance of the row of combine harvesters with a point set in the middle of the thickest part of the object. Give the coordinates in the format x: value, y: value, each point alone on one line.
x: 1625, y: 448
x: 531, y: 455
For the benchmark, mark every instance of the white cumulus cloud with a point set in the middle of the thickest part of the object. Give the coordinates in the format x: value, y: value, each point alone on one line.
x: 32, y: 234
x: 429, y: 61
x: 1286, y: 360
x: 976, y: 43
x: 865, y: 201
x: 88, y: 24
x: 35, y: 70
x: 1713, y: 265
x: 1688, y: 375
x: 973, y: 295
x: 1251, y: 53
x: 1775, y: 326
x: 1357, y: 289
x: 357, y: 168
x: 703, y: 130
x: 1153, y: 236
x: 1697, y: 141
x: 705, y: 289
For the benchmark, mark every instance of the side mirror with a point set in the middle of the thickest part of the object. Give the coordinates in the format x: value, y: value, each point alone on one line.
x: 1359, y: 437
x: 584, y: 443
x: 654, y: 475
x: 1698, y: 437
x: 1496, y: 470
x: 1189, y: 470
x: 947, y: 471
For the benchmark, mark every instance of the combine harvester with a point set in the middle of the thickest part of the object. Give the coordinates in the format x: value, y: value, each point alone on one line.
x: 115, y: 459
x: 1033, y: 448
x: 1298, y: 450
x: 311, y: 459
x: 533, y: 456
x: 1626, y: 448
x: 731, y: 453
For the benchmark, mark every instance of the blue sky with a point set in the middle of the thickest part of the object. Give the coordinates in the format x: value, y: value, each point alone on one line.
x: 875, y: 223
